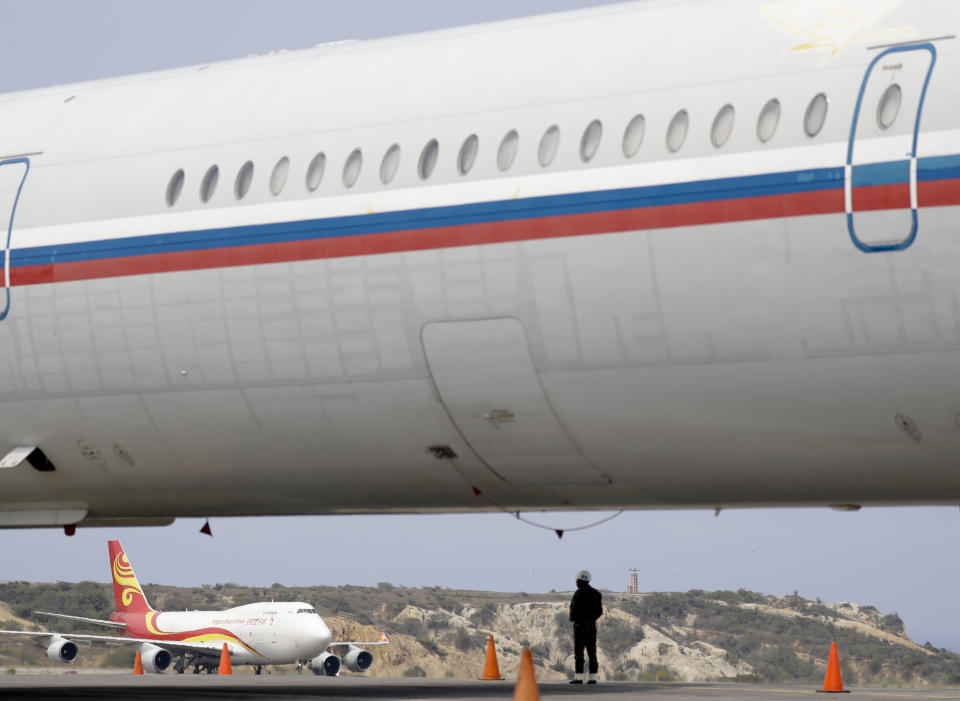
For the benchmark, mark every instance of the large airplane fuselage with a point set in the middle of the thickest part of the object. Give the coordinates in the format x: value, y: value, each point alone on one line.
x: 704, y: 256
x: 258, y: 633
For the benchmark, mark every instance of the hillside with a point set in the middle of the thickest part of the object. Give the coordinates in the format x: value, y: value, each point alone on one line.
x: 691, y: 636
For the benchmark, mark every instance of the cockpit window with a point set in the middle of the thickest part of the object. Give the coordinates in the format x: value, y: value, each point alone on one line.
x: 307, y: 611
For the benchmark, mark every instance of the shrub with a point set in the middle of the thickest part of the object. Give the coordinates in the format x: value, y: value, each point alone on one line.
x: 122, y: 657
x: 437, y: 621
x: 616, y: 636
x: 430, y: 646
x: 657, y: 673
x: 463, y: 641
x: 539, y: 652
x: 893, y: 623
x: 409, y: 626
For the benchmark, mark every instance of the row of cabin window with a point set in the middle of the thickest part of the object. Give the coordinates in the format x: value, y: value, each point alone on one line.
x: 767, y: 123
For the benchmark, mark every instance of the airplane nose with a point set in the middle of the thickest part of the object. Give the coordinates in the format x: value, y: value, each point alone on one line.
x: 322, y: 632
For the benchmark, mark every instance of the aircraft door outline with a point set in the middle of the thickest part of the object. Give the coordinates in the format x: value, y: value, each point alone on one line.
x: 13, y: 211
x: 875, y: 173
x: 487, y: 382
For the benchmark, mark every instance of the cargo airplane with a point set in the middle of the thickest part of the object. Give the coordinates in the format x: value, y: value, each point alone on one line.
x: 673, y: 253
x: 255, y: 634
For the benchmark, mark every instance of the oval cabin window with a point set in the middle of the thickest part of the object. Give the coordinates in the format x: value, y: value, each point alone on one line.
x: 351, y: 169
x: 468, y: 154
x: 769, y: 120
x: 208, y: 185
x: 633, y: 136
x: 390, y: 164
x: 175, y: 187
x: 722, y: 126
x: 889, y: 107
x: 677, y: 131
x: 244, y: 179
x: 816, y: 115
x: 428, y: 159
x: 507, y: 152
x: 549, y: 145
x: 590, y: 143
x: 315, y: 171
x: 278, y: 178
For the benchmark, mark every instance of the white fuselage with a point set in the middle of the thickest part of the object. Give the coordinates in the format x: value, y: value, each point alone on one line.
x: 259, y: 633
x: 696, y: 324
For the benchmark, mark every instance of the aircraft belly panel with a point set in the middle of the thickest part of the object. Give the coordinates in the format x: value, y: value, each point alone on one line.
x: 489, y: 386
x: 680, y: 377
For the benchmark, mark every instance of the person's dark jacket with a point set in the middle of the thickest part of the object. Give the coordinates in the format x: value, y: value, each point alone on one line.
x: 586, y: 606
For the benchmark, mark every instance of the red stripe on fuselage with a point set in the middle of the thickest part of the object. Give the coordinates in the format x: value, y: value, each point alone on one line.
x: 938, y: 193
x: 931, y: 193
x: 879, y: 197
x: 712, y: 212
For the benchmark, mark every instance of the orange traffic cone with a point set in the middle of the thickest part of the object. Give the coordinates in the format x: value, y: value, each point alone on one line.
x: 832, y: 680
x: 491, y: 669
x: 225, y: 667
x: 138, y: 664
x: 526, y: 688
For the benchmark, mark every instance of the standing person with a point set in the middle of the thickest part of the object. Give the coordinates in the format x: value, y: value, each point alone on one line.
x: 585, y: 608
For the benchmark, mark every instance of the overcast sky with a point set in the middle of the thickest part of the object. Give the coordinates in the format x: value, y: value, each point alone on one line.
x: 902, y: 560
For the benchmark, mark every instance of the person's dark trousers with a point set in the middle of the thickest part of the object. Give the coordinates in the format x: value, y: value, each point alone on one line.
x: 585, y: 636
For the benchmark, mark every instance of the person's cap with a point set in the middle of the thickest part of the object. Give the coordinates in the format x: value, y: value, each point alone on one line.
x: 583, y: 576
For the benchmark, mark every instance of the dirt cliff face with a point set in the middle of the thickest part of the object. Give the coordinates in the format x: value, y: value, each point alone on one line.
x: 541, y: 626
x: 699, y: 645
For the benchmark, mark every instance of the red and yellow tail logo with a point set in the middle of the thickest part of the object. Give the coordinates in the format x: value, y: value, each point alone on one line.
x: 383, y: 638
x: 127, y: 594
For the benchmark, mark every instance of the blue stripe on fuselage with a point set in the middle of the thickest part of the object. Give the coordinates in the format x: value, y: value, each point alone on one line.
x: 719, y: 189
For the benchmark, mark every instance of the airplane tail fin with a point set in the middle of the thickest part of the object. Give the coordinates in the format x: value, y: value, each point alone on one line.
x: 127, y: 594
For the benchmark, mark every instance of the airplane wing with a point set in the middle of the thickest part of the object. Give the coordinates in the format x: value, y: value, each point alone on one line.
x: 76, y: 637
x: 210, y: 648
x: 95, y: 621
x: 344, y: 643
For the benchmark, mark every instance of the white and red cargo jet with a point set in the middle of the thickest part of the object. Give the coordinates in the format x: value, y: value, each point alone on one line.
x: 255, y: 634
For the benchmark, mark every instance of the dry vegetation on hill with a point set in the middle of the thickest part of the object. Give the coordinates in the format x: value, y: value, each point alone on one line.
x: 696, y: 635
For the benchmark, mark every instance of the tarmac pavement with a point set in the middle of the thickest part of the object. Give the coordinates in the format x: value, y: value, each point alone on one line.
x: 63, y: 687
